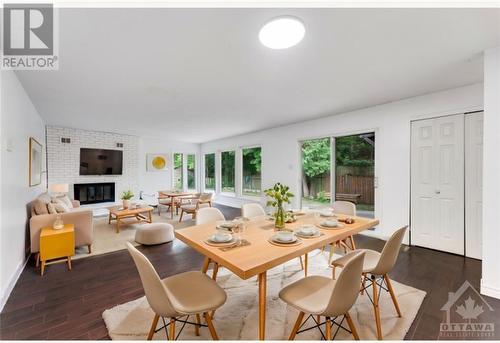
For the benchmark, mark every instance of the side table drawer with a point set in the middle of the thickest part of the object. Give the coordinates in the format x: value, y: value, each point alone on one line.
x: 57, y: 246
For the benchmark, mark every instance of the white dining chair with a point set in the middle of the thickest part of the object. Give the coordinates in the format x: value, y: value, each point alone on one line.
x: 208, y: 215
x: 178, y: 297
x: 348, y: 208
x: 252, y: 210
x: 376, y: 268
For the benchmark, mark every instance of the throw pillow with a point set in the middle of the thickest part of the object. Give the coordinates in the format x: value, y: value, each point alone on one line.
x: 65, y: 200
x: 52, y: 208
x: 60, y: 205
x: 40, y: 207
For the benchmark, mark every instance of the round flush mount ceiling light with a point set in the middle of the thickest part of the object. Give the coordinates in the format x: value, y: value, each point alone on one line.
x: 282, y: 32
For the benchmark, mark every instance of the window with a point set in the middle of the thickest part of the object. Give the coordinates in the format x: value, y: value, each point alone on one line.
x: 191, y: 175
x: 316, y: 165
x: 227, y: 171
x: 178, y: 172
x: 251, y: 184
x: 210, y: 172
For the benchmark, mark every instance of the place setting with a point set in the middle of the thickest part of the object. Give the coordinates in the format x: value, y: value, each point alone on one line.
x: 285, y: 238
x: 228, y: 234
x: 330, y: 223
x: 308, y: 231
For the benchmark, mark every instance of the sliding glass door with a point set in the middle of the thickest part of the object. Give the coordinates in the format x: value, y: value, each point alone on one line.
x: 349, y: 176
x: 316, y: 167
x: 355, y: 171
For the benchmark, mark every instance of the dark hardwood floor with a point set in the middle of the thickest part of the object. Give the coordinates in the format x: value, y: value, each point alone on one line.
x: 68, y: 305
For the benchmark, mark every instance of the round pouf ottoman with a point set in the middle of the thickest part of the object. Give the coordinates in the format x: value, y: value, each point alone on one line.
x: 154, y: 233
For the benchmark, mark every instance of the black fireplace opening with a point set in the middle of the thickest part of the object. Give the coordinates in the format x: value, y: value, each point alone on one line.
x: 93, y: 193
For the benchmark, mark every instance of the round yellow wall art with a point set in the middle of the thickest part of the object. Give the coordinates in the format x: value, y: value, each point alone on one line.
x: 156, y: 162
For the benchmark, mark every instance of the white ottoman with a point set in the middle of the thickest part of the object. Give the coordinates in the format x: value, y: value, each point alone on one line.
x: 154, y: 233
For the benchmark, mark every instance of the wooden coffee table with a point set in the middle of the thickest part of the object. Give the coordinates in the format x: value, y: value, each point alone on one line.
x: 141, y: 214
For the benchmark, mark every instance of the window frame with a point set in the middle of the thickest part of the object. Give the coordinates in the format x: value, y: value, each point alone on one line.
x: 236, y: 190
x: 205, y: 189
x: 241, y: 194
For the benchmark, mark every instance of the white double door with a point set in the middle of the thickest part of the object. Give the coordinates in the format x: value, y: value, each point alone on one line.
x: 439, y: 155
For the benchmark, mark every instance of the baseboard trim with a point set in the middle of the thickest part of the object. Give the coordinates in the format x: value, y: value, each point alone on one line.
x: 490, y: 291
x: 12, y: 282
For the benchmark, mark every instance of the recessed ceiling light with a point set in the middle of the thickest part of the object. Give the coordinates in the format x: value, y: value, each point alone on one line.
x: 282, y: 32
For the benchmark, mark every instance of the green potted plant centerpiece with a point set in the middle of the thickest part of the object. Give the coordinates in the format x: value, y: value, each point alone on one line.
x: 279, y: 195
x: 126, y: 196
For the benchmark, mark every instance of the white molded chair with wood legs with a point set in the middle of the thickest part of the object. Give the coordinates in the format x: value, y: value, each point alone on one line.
x: 178, y: 297
x: 376, y: 269
x: 252, y: 210
x: 347, y: 208
x: 319, y: 296
x: 208, y: 215
x: 195, y: 204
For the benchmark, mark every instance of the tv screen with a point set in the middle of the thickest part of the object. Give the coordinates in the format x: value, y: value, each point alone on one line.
x: 100, y: 162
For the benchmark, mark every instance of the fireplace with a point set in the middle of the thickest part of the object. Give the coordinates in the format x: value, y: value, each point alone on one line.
x: 93, y: 193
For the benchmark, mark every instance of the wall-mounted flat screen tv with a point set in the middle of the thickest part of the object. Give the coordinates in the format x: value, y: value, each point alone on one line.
x: 101, y: 162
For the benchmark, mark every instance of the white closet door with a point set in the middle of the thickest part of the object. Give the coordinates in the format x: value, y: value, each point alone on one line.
x: 437, y: 183
x: 473, y: 184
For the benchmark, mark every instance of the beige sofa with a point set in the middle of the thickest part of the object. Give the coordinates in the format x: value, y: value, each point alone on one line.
x: 81, y: 218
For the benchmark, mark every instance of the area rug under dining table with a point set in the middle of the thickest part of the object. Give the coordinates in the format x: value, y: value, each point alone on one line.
x: 237, y: 319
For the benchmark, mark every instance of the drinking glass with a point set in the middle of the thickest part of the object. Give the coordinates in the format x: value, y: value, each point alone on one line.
x: 242, y: 224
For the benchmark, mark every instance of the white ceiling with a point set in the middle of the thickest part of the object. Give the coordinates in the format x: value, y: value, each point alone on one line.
x: 200, y: 74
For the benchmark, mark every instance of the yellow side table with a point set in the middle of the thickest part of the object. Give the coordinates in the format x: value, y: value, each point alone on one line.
x: 57, y: 245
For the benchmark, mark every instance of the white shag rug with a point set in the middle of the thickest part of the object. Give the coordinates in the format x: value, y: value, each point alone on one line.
x: 237, y: 319
x: 106, y: 239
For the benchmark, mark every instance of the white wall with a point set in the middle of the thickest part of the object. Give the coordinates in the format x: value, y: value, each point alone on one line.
x: 151, y: 182
x: 64, y: 158
x: 391, y: 122
x: 490, y: 283
x: 19, y: 121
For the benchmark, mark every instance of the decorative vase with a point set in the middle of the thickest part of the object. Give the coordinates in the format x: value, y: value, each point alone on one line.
x: 126, y: 204
x: 279, y: 221
x: 58, y: 223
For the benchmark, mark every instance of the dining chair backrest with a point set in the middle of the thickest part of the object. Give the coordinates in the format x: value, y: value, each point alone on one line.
x: 208, y: 215
x: 252, y: 210
x: 155, y: 291
x: 390, y: 252
x: 205, y: 197
x: 346, y: 289
x: 344, y: 207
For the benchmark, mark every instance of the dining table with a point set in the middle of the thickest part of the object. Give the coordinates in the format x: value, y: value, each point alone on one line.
x: 259, y: 254
x: 172, y: 195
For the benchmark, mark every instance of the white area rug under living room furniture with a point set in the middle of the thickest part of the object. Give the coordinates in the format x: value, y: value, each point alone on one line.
x: 237, y: 319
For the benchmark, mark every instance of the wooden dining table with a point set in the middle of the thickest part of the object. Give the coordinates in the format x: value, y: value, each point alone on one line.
x: 256, y: 258
x: 172, y: 195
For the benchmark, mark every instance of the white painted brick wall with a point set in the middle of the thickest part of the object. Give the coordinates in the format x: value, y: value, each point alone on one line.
x: 63, y: 159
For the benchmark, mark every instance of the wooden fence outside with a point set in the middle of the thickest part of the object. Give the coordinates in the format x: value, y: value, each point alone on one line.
x: 346, y: 184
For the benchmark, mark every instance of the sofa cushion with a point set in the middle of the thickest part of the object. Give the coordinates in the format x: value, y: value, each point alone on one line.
x: 40, y: 207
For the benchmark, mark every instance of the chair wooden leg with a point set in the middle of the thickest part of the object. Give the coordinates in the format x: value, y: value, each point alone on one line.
x: 37, y: 259
x: 171, y: 335
x: 301, y: 263
x: 393, y: 295
x: 153, y: 327
x: 333, y: 272
x: 328, y: 330
x: 197, y: 327
x: 214, y: 272
x: 296, y: 326
x: 353, y: 245
x: 376, y: 309
x: 305, y: 264
x: 352, y: 326
x: 90, y: 248
x: 182, y: 213
x: 332, y: 249
x: 210, y: 325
